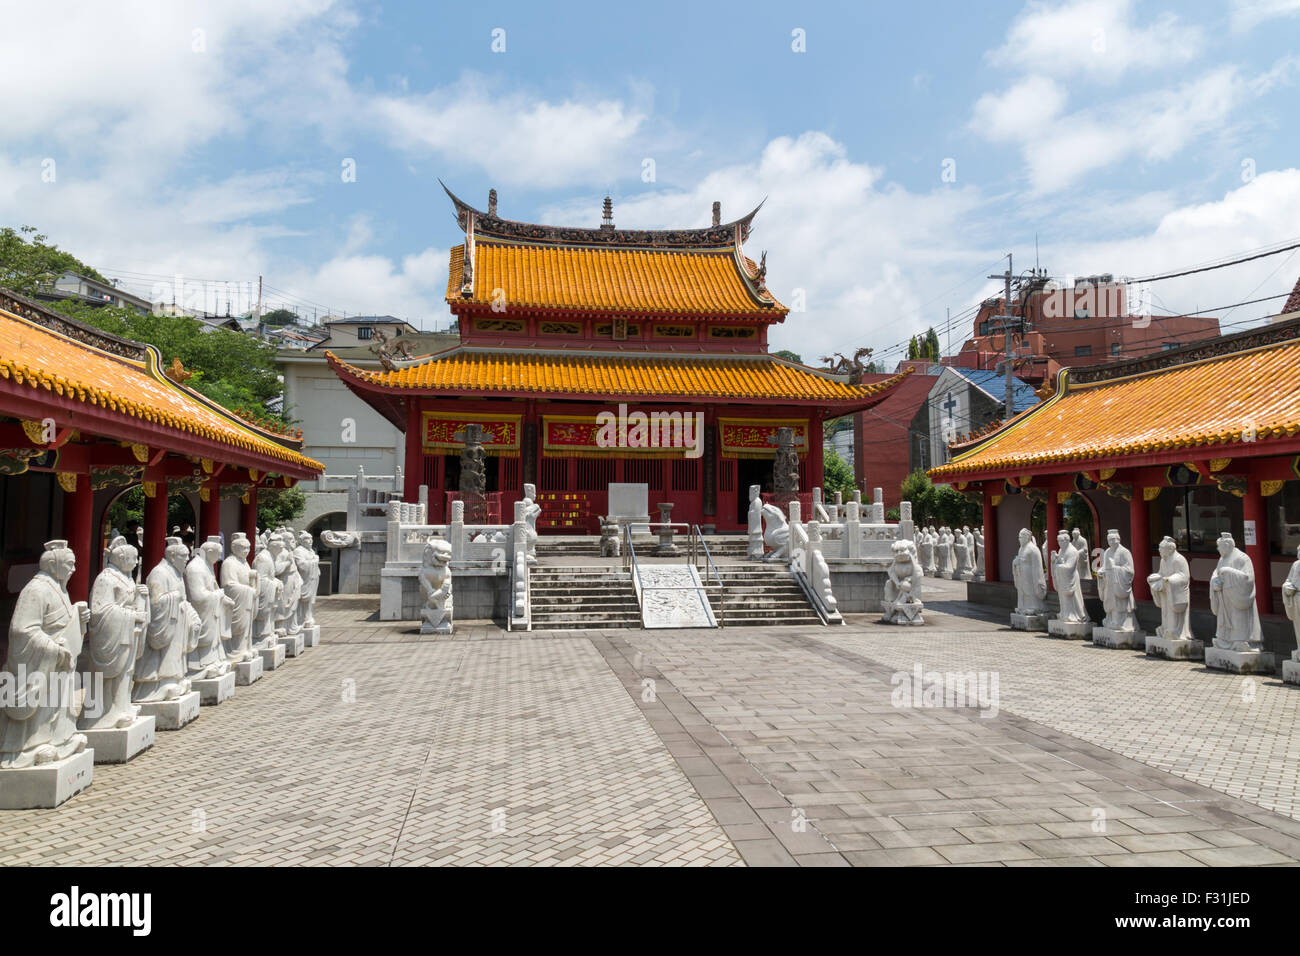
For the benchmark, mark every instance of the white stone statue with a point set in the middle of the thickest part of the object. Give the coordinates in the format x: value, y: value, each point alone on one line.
x: 531, y: 510
x: 943, y: 554
x: 341, y: 540
x: 961, y: 556
x: 160, y: 670
x: 1115, y: 585
x: 1031, y: 581
x: 1291, y: 602
x: 1232, y: 599
x: 268, y: 594
x: 286, y: 569
x: 755, y: 551
x: 208, y: 659
x: 119, y: 614
x: 308, y: 564
x: 1080, y: 544
x: 239, y: 581
x: 435, y: 585
x: 1171, y: 591
x: 925, y: 551
x: 611, y: 545
x: 977, y: 536
x: 776, y: 533
x: 37, y: 713
x: 902, y: 602
x: 1066, y: 580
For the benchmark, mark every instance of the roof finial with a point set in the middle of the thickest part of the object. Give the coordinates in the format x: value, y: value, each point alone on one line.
x: 492, y: 202
x: 608, y: 222
x: 717, y: 213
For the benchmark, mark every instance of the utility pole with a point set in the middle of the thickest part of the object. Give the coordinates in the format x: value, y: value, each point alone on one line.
x: 258, y: 315
x: 1006, y: 333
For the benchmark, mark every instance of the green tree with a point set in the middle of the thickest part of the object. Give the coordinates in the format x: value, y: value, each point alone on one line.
x: 932, y: 345
x: 837, y: 475
x: 231, y: 368
x: 912, y: 351
x: 27, y: 262
x: 788, y: 355
x: 918, y: 489
x: 278, y: 317
x: 277, y: 506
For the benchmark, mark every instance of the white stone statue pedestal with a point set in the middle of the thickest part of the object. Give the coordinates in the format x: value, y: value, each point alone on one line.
x: 213, y: 690
x: 1070, y: 630
x: 443, y: 628
x: 292, y: 643
x: 311, y: 636
x: 46, y: 785
x: 1239, y: 662
x: 966, y: 576
x: 120, y: 744
x: 1028, y: 622
x: 1291, y: 672
x: 906, y: 613
x: 249, y: 671
x: 272, y: 656
x: 172, y: 714
x: 1173, y: 649
x: 945, y: 573
x: 1120, y: 640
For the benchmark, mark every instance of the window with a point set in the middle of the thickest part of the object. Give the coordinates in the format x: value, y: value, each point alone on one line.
x: 1169, y: 345
x: 1083, y: 350
x: 1114, y: 348
x: 364, y: 332
x: 985, y: 328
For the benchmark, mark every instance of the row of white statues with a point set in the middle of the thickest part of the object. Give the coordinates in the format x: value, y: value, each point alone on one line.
x: 951, y: 553
x: 140, y: 644
x: 1232, y: 594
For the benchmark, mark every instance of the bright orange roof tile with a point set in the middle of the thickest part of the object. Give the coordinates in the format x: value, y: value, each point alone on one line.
x: 609, y: 279
x: 614, y: 376
x: 33, y: 355
x: 1222, y: 401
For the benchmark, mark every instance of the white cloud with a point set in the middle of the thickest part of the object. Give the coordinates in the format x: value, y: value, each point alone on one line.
x: 515, y: 138
x: 1248, y: 14
x: 869, y: 255
x: 1018, y: 112
x: 1097, y: 38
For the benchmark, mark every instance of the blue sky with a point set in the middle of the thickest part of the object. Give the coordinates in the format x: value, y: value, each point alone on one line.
x: 208, y: 139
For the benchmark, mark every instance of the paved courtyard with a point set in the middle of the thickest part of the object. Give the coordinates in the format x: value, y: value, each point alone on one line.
x: 778, y: 745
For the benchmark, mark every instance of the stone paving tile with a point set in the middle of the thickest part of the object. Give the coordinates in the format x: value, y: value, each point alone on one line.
x: 438, y: 735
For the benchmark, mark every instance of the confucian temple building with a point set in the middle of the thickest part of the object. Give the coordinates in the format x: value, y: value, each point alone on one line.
x: 591, y: 356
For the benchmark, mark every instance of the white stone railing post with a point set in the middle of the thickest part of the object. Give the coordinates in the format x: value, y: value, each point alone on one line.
x: 877, y: 506
x: 852, y: 549
x: 456, y: 531
x: 394, y: 531
x: 519, y: 612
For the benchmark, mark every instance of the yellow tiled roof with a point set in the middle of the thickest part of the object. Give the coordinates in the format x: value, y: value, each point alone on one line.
x: 614, y: 376
x: 41, y: 358
x: 614, y: 279
x: 1214, y: 403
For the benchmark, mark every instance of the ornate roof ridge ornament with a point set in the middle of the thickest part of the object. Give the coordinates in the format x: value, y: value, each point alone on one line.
x: 491, y: 226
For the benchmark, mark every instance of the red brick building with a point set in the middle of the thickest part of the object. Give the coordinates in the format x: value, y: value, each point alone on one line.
x: 1089, y: 323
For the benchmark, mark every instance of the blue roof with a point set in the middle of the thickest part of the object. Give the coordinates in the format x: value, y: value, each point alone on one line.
x: 994, y: 385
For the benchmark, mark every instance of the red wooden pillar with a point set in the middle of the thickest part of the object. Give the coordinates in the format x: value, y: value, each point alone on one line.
x: 209, y: 511
x: 1053, y: 521
x: 155, y: 522
x: 816, y: 460
x: 414, y: 473
x: 78, y: 528
x: 248, y: 520
x: 1254, y: 515
x: 1139, y: 543
x: 990, y: 533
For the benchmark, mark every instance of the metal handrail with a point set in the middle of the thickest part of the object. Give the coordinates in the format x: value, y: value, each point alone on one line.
x: 630, y: 564
x: 697, y: 537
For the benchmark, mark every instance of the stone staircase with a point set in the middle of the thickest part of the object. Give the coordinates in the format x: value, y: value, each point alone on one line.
x: 720, y: 546
x: 761, y: 595
x: 582, y: 597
